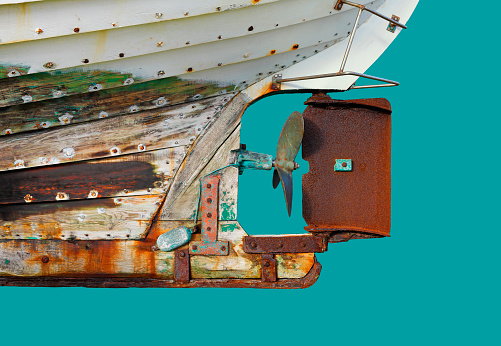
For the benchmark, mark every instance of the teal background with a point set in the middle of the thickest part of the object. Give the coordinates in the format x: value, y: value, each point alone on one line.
x: 434, y: 282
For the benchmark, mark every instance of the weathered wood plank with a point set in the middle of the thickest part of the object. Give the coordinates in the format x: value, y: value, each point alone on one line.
x: 101, y: 104
x: 296, y: 39
x: 102, y: 218
x: 157, y: 36
x: 201, y: 154
x: 156, y: 129
x: 136, y: 258
x: 18, y: 20
x: 127, y: 175
x: 185, y: 205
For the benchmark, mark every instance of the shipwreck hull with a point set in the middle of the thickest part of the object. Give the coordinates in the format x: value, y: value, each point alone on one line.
x: 110, y: 118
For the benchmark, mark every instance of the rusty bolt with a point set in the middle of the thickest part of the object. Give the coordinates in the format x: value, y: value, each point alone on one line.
x: 253, y: 245
x: 209, y: 200
x: 182, y: 254
x: 209, y: 215
x: 194, y: 247
x: 209, y: 186
x: 209, y: 229
x: 344, y: 164
x: 45, y: 259
x: 223, y: 248
x: 76, y: 30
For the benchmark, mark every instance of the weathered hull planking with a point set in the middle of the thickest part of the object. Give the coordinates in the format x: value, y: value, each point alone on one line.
x: 109, y: 119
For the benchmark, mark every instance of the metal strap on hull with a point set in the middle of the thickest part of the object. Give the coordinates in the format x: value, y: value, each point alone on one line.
x: 393, y: 23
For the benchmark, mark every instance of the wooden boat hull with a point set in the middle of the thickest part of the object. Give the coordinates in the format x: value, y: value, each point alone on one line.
x: 108, y: 122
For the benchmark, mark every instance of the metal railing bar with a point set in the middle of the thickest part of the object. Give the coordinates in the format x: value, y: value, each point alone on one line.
x: 343, y: 63
x: 374, y: 12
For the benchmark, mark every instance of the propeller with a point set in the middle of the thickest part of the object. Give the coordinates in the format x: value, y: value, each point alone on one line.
x: 283, y: 164
x: 288, y: 146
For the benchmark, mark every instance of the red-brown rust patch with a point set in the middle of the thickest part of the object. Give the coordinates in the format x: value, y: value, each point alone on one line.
x: 255, y: 1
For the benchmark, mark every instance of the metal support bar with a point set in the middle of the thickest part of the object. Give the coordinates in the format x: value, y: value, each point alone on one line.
x: 277, y: 79
x: 209, y: 245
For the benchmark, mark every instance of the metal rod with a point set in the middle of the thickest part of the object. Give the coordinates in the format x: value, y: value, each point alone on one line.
x: 343, y: 63
x: 374, y: 12
x: 342, y: 73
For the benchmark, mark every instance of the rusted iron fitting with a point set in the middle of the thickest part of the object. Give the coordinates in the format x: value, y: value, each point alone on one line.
x: 285, y: 244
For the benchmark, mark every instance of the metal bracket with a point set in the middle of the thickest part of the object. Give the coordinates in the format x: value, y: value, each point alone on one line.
x: 391, y: 27
x: 182, y: 266
x: 277, y: 79
x: 268, y: 268
x: 343, y: 165
x: 285, y: 244
x: 209, y: 245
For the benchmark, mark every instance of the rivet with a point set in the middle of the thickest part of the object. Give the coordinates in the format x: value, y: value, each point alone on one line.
x: 194, y: 247
x: 88, y: 246
x: 158, y: 15
x: 209, y: 215
x: 182, y: 254
x: 273, y: 51
x: 45, y: 259
x: 253, y: 245
x: 28, y: 198
x: 77, y: 30
x: 266, y: 264
x: 209, y: 229
x: 223, y: 248
x: 219, y: 37
x: 209, y: 200
x: 187, y: 42
x: 303, y: 244
x: 190, y: 69
x: 161, y: 73
x: 296, y: 46
x: 85, y: 61
x: 209, y: 186
x: 251, y: 28
x: 114, y: 24
x: 280, y: 245
x: 186, y: 13
x: 39, y: 31
x: 219, y: 64
x: 160, y: 44
x: 121, y: 55
x: 49, y: 65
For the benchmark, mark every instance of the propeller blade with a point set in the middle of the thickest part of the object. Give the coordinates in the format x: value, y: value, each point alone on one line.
x: 290, y: 138
x: 276, y: 178
x: 286, y: 179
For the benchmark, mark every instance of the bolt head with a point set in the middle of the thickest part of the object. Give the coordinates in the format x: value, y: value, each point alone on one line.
x: 45, y: 259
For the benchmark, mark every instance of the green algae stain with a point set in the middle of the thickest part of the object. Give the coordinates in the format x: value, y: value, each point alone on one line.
x: 7, y: 70
x: 7, y: 261
x: 229, y: 227
x: 227, y: 212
